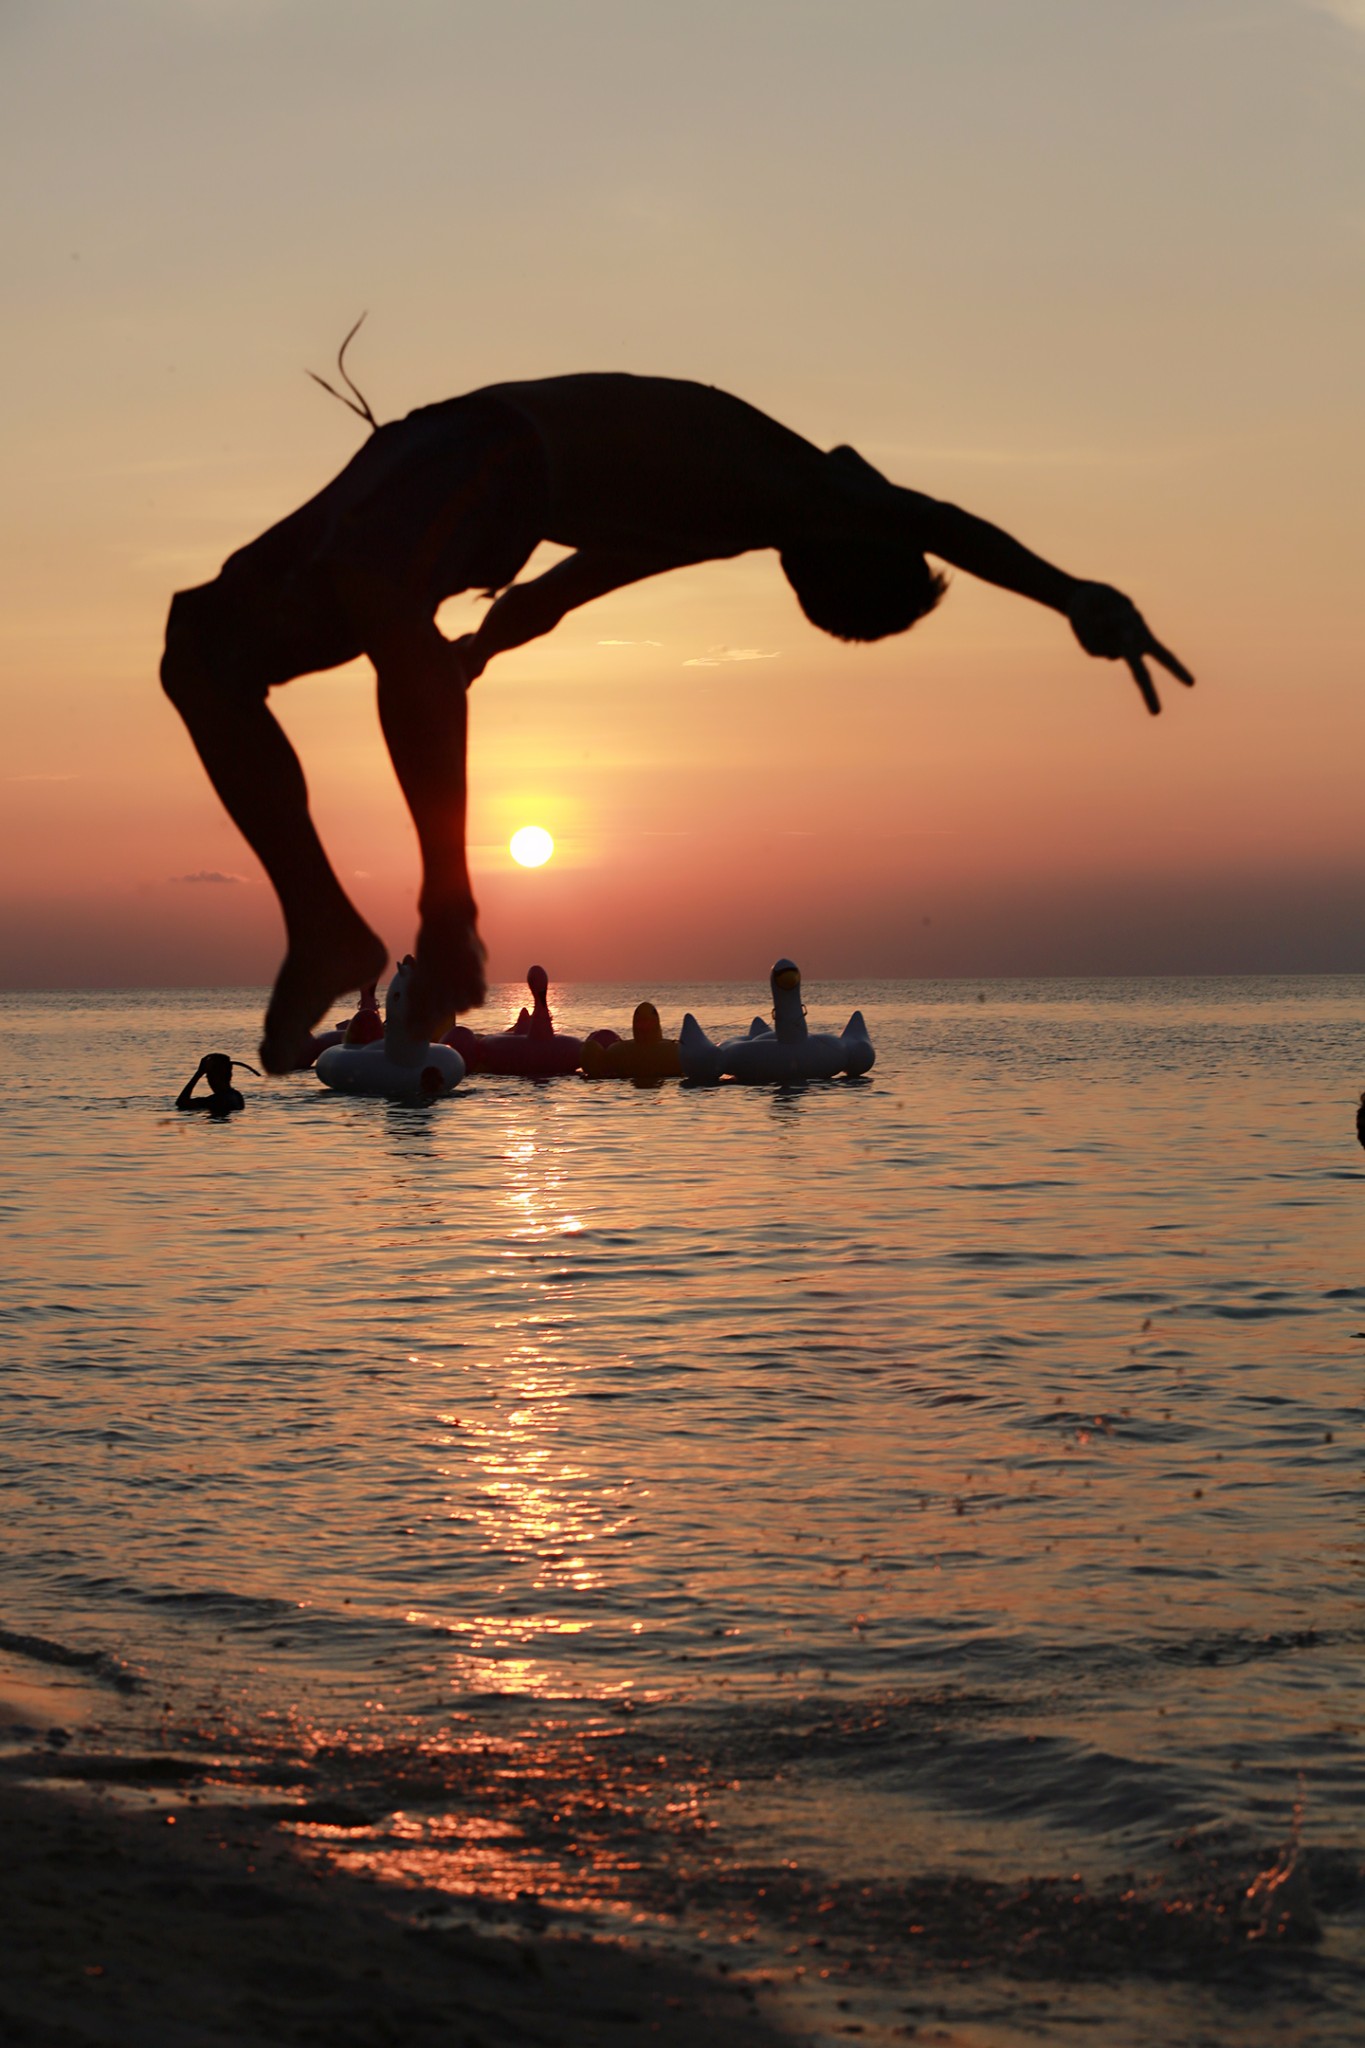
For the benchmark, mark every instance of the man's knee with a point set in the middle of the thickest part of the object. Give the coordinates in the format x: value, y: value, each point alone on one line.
x: 185, y: 665
x: 204, y: 656
x: 235, y: 639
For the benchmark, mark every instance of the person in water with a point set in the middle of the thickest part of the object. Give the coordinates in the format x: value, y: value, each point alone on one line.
x: 222, y: 1098
x: 636, y: 475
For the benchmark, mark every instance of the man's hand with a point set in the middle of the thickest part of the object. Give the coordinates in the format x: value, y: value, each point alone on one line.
x: 1109, y: 625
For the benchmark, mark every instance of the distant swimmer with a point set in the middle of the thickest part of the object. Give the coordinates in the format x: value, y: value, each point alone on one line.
x: 636, y: 475
x: 222, y: 1098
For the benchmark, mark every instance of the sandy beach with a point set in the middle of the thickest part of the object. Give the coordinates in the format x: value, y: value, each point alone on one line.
x: 177, y: 1924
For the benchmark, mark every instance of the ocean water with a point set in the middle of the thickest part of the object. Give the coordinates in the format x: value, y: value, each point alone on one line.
x: 902, y: 1539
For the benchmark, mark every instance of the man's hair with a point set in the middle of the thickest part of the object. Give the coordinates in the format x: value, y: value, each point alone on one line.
x: 862, y: 592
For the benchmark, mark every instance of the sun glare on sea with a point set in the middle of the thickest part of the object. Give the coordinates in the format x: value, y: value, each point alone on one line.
x: 532, y: 846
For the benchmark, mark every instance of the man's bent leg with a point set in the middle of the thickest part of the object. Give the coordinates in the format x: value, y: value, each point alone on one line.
x: 256, y: 773
x: 424, y: 713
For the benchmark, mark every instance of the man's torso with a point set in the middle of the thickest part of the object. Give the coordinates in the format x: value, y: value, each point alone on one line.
x: 660, y: 461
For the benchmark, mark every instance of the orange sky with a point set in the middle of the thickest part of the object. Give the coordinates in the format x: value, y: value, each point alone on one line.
x: 1088, y: 269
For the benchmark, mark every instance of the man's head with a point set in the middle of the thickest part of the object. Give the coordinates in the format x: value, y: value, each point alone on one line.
x: 864, y: 589
x: 218, y: 1071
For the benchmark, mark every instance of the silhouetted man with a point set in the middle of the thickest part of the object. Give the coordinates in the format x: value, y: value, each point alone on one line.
x: 222, y: 1098
x: 636, y: 475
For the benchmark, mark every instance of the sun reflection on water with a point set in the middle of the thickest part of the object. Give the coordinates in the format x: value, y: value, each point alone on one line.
x: 535, y: 1178
x: 516, y: 1490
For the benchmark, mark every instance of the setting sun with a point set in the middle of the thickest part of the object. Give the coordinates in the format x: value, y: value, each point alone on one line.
x: 532, y: 846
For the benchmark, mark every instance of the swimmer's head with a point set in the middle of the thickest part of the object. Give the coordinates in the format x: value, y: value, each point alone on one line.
x: 861, y: 590
x: 218, y: 1071
x: 645, y: 1023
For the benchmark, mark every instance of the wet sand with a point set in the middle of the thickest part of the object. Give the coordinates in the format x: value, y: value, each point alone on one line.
x: 180, y: 1924
x: 204, y: 1926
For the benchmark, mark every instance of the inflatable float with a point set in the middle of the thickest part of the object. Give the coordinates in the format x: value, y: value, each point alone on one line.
x: 363, y: 1029
x: 783, y: 1051
x: 397, y: 1065
x: 645, y: 1056
x: 532, y: 1046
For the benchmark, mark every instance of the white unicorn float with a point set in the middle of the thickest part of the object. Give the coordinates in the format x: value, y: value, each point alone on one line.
x: 404, y: 1068
x: 784, y: 1050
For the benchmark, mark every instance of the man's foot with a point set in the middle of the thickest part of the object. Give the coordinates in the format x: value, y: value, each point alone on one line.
x: 450, y: 971
x: 312, y: 978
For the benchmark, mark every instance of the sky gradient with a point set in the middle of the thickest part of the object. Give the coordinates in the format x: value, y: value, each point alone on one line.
x: 1088, y: 268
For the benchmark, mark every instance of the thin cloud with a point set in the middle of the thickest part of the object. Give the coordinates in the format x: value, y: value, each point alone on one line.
x: 1350, y: 12
x: 714, y: 656
x: 1035, y: 458
x: 41, y: 778
x: 214, y: 875
x: 630, y: 643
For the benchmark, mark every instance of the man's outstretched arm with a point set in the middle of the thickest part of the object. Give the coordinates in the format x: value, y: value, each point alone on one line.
x: 1106, y: 623
x: 528, y: 610
x: 987, y: 551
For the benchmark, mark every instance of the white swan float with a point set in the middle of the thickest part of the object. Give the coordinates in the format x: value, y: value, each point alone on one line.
x: 782, y: 1051
x: 397, y: 1065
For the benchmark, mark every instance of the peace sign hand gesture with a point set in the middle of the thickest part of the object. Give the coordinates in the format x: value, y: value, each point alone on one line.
x: 1109, y: 625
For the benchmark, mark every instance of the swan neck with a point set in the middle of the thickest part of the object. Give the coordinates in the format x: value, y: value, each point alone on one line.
x: 789, y: 1016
